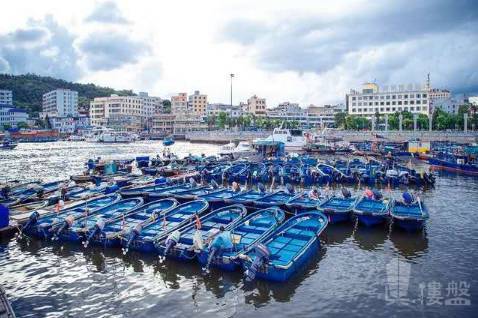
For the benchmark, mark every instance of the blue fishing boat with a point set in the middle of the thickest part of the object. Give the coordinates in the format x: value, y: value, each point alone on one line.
x: 113, y: 230
x: 166, y: 192
x: 75, y: 230
x: 143, y: 190
x: 258, y: 172
x: 246, y: 198
x: 236, y: 172
x: 302, y: 203
x: 286, y: 250
x: 372, y: 211
x: 42, y: 226
x: 278, y: 198
x: 409, y: 216
x: 244, y: 234
x: 338, y: 209
x: 168, y: 141
x: 189, y: 240
x: 217, y: 199
x: 142, y: 238
x: 192, y: 194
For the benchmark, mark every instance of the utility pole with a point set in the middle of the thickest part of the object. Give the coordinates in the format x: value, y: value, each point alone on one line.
x: 232, y: 75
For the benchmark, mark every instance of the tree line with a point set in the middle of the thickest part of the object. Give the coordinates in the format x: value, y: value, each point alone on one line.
x: 224, y: 120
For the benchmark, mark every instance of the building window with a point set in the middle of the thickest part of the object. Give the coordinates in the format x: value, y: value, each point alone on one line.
x: 412, y: 108
x: 382, y: 97
x: 393, y: 102
x: 394, y: 96
x: 424, y: 95
x: 370, y: 103
x: 418, y: 95
x: 376, y: 103
x: 412, y: 102
x: 399, y: 108
x: 388, y: 109
x: 405, y: 96
x: 393, y: 109
x: 381, y: 103
x: 424, y: 101
x: 354, y: 98
x: 388, y: 103
x: 388, y: 97
x: 417, y: 102
x: 424, y: 108
x: 376, y: 97
x: 405, y: 102
x: 381, y: 109
x: 399, y: 102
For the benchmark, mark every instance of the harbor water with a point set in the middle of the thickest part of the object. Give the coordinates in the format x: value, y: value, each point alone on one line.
x: 359, y: 272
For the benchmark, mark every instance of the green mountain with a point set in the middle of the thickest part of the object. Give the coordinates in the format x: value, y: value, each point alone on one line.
x: 28, y: 90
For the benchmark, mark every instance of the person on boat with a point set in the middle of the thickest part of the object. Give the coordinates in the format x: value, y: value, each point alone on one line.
x: 222, y: 242
x: 236, y: 187
x: 314, y: 194
x: 6, y: 192
x: 368, y: 193
x: 408, y: 198
x: 289, y: 188
x: 63, y: 191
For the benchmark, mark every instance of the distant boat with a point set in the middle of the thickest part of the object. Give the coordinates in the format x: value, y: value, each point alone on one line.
x: 8, y: 145
x: 293, y: 140
x: 168, y: 141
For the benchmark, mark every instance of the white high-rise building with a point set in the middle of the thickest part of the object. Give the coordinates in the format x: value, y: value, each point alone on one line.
x: 6, y: 97
x: 388, y: 100
x: 132, y: 112
x: 60, y: 102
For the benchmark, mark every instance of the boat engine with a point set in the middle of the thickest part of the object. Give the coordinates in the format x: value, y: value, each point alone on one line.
x: 66, y: 224
x: 171, y: 241
x: 262, y: 255
x: 99, y: 226
x: 346, y: 193
x: 31, y: 220
x: 132, y: 235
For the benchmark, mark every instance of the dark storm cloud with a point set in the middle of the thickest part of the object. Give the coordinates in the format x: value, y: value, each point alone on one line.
x: 109, y: 50
x: 420, y: 36
x: 44, y: 47
x: 107, y: 12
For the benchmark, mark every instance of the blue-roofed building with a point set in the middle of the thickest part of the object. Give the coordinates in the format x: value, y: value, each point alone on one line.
x: 9, y: 115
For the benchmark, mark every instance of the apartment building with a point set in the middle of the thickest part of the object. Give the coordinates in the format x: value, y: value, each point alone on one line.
x: 6, y: 97
x: 133, y: 112
x: 179, y: 103
x: 60, y: 102
x: 231, y: 111
x: 256, y: 105
x: 197, y: 103
x: 388, y: 100
x: 11, y: 116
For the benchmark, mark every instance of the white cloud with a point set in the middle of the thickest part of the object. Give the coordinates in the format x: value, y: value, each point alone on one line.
x: 302, y: 51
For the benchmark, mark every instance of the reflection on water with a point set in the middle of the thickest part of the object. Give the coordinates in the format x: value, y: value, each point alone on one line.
x: 371, y: 238
x: 409, y: 245
x: 347, y: 276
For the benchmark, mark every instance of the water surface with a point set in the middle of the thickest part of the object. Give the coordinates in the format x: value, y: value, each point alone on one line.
x: 347, y: 277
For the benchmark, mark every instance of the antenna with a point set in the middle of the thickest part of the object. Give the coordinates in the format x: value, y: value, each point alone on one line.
x: 428, y: 81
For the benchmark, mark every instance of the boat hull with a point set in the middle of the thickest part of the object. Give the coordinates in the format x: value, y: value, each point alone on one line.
x: 370, y: 219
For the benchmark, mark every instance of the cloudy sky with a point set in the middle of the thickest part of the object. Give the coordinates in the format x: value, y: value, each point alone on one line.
x: 311, y: 52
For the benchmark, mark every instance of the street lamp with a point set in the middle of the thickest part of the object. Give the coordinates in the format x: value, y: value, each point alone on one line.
x: 231, y: 75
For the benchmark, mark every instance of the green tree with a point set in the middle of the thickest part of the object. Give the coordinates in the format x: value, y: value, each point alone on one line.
x: 22, y: 125
x: 339, y: 119
x: 422, y: 121
x: 222, y: 120
x: 167, y: 105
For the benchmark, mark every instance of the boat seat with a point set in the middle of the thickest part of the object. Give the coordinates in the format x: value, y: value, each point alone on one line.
x: 251, y: 229
x: 222, y: 220
x: 261, y: 223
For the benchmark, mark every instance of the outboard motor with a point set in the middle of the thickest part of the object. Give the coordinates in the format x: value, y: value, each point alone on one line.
x: 192, y: 182
x: 32, y: 220
x: 99, y: 226
x: 171, y: 241
x: 132, y: 235
x: 261, y: 187
x: 289, y: 188
x: 262, y: 255
x: 377, y: 195
x: 346, y: 193
x: 66, y: 225
x: 408, y: 198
